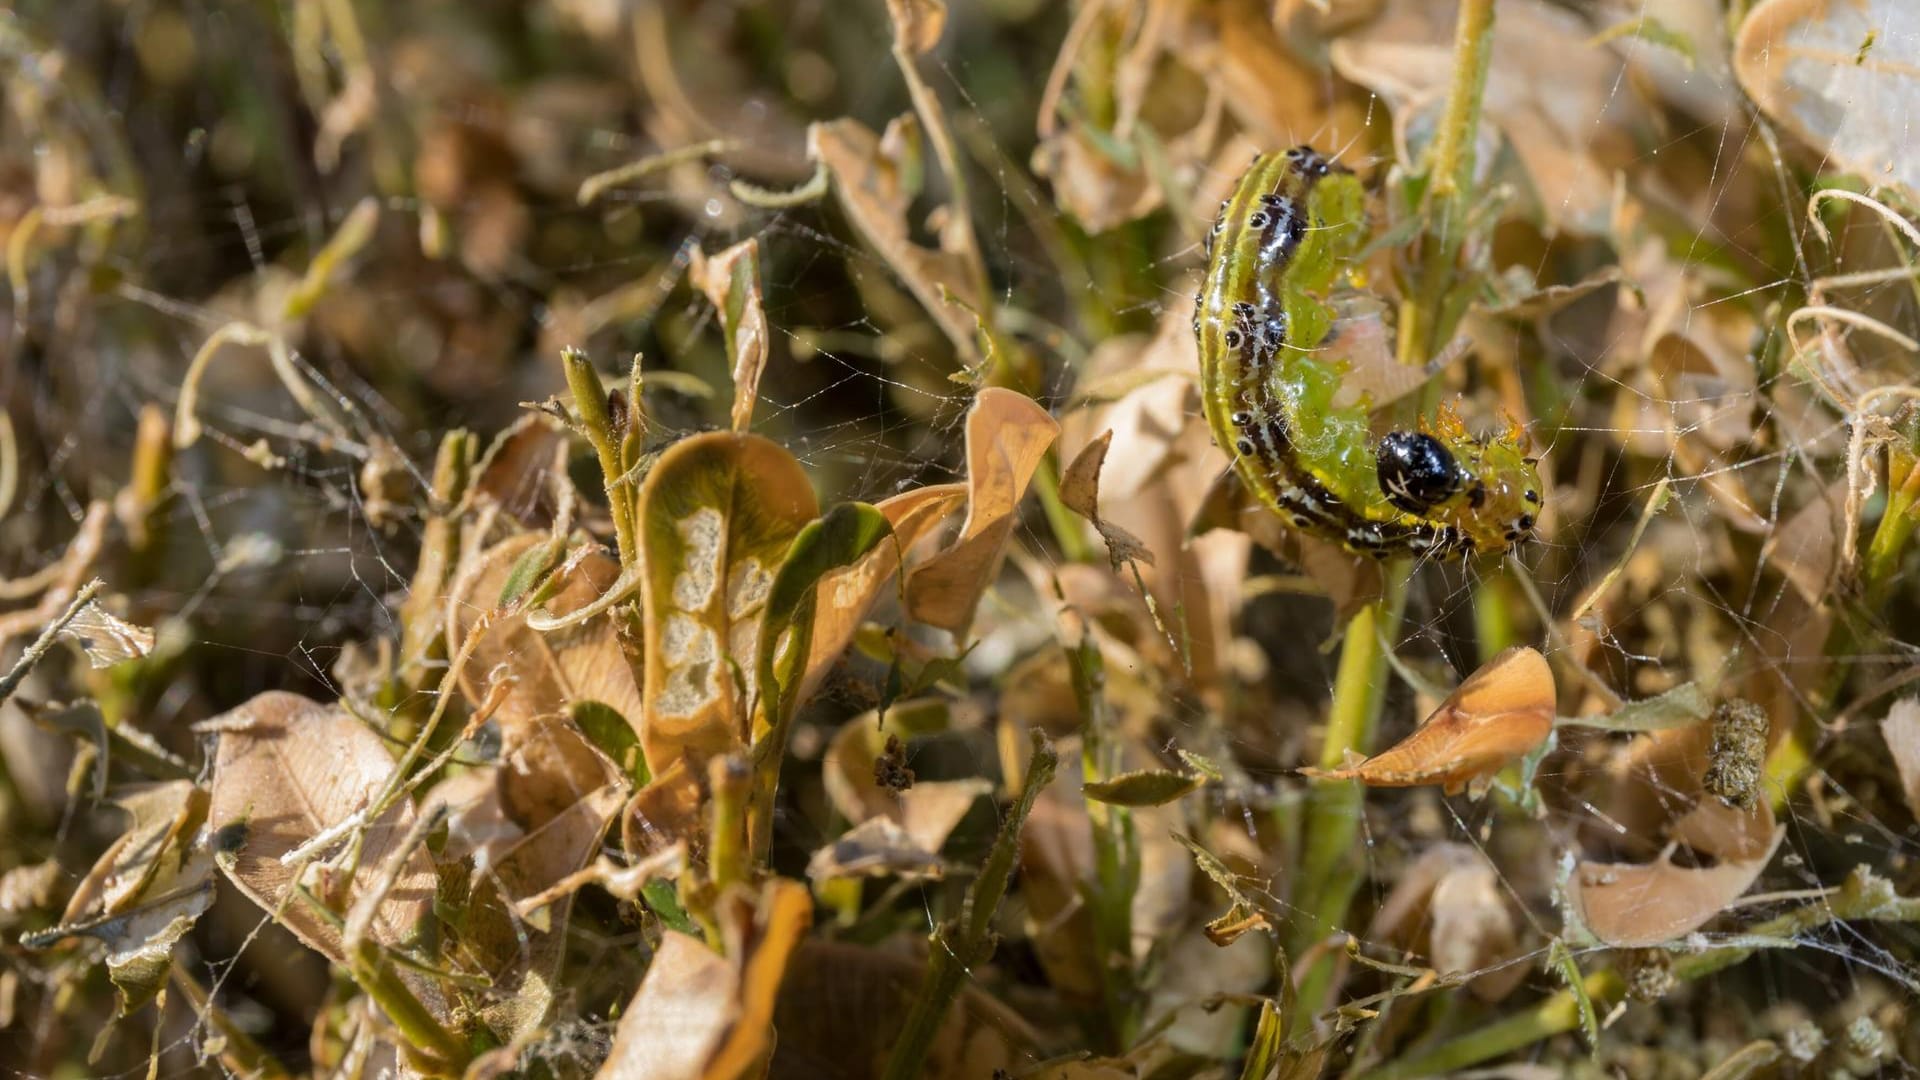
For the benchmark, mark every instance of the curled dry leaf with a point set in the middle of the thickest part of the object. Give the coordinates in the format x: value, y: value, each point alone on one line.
x: 163, y: 814
x: 876, y: 847
x: 717, y: 515
x: 846, y: 594
x: 1080, y: 491
x: 1449, y: 906
x: 701, y: 1015
x: 1501, y: 713
x: 1007, y: 437
x: 1842, y: 77
x: 731, y: 282
x: 1901, y: 730
x: 285, y: 769
x: 551, y: 764
x: 1631, y: 905
x: 871, y: 179
x: 145, y: 892
x: 517, y: 469
x: 106, y: 638
x: 917, y: 24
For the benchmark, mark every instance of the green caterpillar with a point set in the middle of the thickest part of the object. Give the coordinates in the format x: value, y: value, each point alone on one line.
x: 1292, y: 227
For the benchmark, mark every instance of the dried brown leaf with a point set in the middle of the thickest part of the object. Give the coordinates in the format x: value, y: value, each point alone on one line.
x: 287, y: 768
x: 555, y: 669
x: 1080, y: 491
x: 917, y: 24
x: 1839, y: 76
x: 875, y: 848
x: 1901, y: 730
x: 106, y: 638
x: 522, y: 955
x: 700, y: 1015
x: 1449, y: 906
x: 1630, y: 905
x: 163, y: 816
x: 1007, y: 438
x: 871, y: 183
x: 731, y: 282
x: 1501, y: 713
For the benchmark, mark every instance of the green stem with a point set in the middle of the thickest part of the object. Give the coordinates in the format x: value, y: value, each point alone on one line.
x: 1557, y: 1014
x: 1428, y: 316
x: 1116, y: 850
x: 729, y: 858
x: 960, y: 945
x: 1330, y: 867
x: 1863, y: 896
x: 422, y: 1030
x: 590, y: 399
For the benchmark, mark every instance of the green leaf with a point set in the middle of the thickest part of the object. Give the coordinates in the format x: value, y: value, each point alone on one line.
x: 1147, y: 787
x: 616, y: 738
x: 845, y: 535
x: 1682, y: 706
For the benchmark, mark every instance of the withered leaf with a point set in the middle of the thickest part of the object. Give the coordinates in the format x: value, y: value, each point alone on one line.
x: 874, y: 189
x: 731, y: 282
x: 1080, y: 491
x: 1901, y: 730
x: 1841, y: 77
x: 700, y: 1015
x: 876, y: 847
x: 522, y: 955
x: 106, y: 638
x: 287, y: 768
x: 1007, y: 437
x: 1501, y: 713
x: 1632, y: 905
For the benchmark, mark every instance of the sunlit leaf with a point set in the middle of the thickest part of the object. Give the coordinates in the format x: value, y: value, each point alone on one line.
x: 702, y: 1015
x: 287, y: 768
x: 1496, y: 717
x: 1638, y: 905
x: 1007, y: 436
x: 731, y: 282
x: 1843, y: 77
x: 718, y: 513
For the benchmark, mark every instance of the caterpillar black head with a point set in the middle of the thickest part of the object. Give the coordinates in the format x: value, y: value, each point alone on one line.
x: 1417, y: 472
